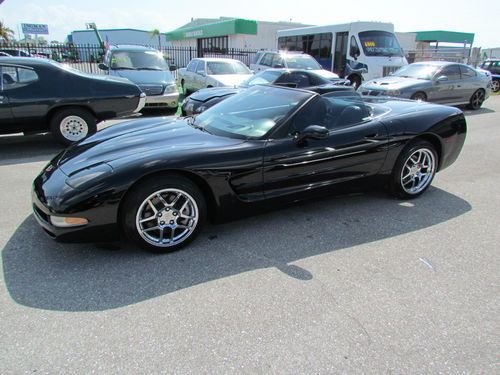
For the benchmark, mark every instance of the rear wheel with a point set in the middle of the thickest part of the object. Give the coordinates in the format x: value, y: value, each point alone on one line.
x: 476, y: 100
x: 414, y: 170
x: 71, y: 125
x: 164, y: 213
x: 419, y: 96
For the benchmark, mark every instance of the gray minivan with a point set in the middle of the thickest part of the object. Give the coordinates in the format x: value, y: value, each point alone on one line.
x: 148, y: 69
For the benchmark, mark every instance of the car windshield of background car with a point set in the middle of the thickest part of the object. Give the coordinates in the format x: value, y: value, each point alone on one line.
x: 302, y: 62
x: 140, y: 60
x: 380, y: 43
x: 263, y: 78
x: 418, y: 71
x: 223, y: 67
x: 252, y: 113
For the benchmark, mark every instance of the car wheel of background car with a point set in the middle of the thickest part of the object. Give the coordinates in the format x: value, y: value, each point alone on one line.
x: 71, y: 125
x: 419, y: 96
x: 355, y: 81
x: 414, y: 170
x: 164, y: 213
x: 495, y: 85
x: 476, y: 100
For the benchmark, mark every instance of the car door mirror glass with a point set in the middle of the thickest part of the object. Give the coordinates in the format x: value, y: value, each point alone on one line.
x: 103, y: 66
x: 441, y: 79
x: 312, y: 132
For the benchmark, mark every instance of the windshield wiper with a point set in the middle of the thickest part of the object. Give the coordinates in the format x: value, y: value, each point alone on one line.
x: 146, y: 68
x: 124, y: 68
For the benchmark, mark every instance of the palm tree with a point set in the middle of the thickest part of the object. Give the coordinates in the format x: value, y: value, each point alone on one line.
x: 156, y: 32
x: 5, y: 33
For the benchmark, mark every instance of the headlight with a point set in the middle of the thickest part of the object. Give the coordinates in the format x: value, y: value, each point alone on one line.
x: 65, y: 222
x: 83, y: 179
x: 170, y: 88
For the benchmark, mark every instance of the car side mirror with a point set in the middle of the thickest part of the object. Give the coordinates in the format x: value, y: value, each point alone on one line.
x: 313, y: 132
x: 103, y: 66
x: 354, y: 52
x: 278, y: 66
x: 441, y: 79
x: 172, y: 67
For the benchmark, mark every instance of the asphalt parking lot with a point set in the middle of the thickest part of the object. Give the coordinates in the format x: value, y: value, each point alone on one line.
x: 353, y: 284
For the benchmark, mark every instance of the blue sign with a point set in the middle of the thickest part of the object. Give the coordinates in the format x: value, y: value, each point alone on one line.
x: 35, y: 28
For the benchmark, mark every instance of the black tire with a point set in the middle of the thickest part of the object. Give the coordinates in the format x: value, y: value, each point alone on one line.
x: 419, y: 96
x: 355, y: 81
x: 168, y: 185
x: 396, y: 185
x: 78, y: 122
x: 495, y: 85
x: 477, y: 99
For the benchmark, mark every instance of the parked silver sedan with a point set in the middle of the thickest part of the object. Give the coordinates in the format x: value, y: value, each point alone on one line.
x: 212, y: 72
x: 435, y: 81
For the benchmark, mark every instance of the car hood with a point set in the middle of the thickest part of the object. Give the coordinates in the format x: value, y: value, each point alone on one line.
x: 147, y: 139
x: 326, y: 74
x: 145, y: 76
x: 230, y: 80
x: 214, y: 92
x: 393, y: 83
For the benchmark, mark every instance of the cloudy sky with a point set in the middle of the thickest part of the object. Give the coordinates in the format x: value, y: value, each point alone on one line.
x: 63, y: 16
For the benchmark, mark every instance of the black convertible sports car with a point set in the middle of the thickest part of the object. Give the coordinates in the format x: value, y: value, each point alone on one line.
x: 203, y: 99
x: 38, y: 95
x: 158, y: 180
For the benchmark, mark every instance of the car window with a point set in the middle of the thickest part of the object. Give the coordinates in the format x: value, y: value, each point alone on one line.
x: 332, y: 112
x: 294, y: 79
x: 226, y: 67
x: 13, y: 78
x: 486, y: 65
x: 267, y: 60
x: 191, y: 67
x: 278, y: 61
x: 467, y: 72
x: 256, y: 58
x: 200, y: 68
x: 450, y: 71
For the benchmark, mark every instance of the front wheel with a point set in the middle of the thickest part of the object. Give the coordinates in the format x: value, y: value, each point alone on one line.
x: 414, y: 170
x: 71, y: 125
x: 476, y: 100
x: 495, y: 85
x: 419, y: 96
x: 163, y: 214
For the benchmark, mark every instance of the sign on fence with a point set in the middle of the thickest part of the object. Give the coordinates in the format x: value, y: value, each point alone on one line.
x: 35, y: 28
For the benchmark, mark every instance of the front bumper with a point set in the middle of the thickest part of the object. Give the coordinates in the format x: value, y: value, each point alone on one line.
x: 142, y: 102
x: 170, y: 100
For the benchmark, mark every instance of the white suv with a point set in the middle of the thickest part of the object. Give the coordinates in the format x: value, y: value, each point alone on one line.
x: 291, y: 60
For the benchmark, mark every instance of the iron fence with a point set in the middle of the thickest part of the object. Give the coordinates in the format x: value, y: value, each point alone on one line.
x: 86, y: 57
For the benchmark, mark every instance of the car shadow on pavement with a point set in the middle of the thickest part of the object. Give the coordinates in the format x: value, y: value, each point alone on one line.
x: 16, y: 149
x: 44, y: 274
x: 480, y: 111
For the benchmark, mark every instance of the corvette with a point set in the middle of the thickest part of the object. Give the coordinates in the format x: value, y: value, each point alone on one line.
x: 158, y: 180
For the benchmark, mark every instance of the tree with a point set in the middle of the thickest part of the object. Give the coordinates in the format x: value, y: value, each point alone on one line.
x: 6, y: 33
x: 156, y: 32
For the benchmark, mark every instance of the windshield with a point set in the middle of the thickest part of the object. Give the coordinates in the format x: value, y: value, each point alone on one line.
x: 302, y: 62
x: 138, y: 60
x: 263, y: 78
x: 418, y: 71
x: 252, y: 113
x: 226, y: 67
x: 380, y: 43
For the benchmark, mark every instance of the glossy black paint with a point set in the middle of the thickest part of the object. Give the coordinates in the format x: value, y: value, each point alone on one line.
x: 203, y: 99
x: 30, y: 107
x: 90, y: 179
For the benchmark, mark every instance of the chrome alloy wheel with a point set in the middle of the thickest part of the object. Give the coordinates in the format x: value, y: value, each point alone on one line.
x: 477, y: 99
x: 418, y: 171
x: 167, y: 217
x: 74, y: 128
x: 495, y: 85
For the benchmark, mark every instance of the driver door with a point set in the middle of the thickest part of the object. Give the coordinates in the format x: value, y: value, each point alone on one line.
x: 354, y: 148
x: 6, y: 116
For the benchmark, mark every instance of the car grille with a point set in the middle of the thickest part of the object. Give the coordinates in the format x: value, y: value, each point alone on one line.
x: 389, y: 69
x: 151, y: 90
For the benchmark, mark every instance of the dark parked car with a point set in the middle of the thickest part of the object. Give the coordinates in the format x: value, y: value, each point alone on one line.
x: 295, y: 78
x: 434, y: 81
x: 159, y: 180
x: 38, y: 95
x: 493, y: 66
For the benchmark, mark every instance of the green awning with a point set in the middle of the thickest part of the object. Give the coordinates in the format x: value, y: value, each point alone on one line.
x: 444, y: 37
x: 221, y: 28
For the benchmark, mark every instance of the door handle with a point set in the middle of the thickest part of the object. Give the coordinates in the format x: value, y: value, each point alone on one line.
x: 370, y: 136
